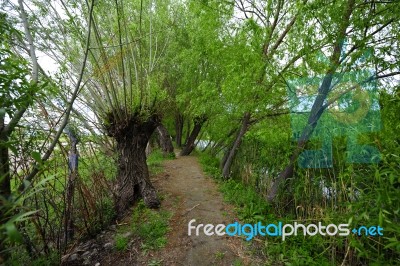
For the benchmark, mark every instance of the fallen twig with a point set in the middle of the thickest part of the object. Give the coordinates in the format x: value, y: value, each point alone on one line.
x: 191, y: 209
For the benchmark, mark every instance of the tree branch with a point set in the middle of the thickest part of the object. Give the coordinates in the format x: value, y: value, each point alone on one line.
x: 35, y: 77
x: 46, y: 156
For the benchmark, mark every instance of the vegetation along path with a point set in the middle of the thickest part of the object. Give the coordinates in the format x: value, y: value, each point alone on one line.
x: 187, y: 194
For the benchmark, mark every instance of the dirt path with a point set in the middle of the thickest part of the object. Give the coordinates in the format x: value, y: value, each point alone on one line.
x: 187, y: 194
x: 196, y: 197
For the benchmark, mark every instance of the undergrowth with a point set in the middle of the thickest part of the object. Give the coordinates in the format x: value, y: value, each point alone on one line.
x: 151, y: 226
x: 252, y: 208
x: 155, y: 159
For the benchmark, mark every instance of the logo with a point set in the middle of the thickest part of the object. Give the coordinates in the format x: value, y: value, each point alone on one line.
x: 352, y: 110
x: 249, y: 231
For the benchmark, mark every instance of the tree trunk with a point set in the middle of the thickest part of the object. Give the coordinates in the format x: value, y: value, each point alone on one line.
x: 5, y: 186
x: 133, y: 175
x: 188, y: 124
x: 315, y: 114
x: 232, y: 152
x: 149, y: 149
x: 189, y: 147
x: 178, y: 129
x: 73, y: 174
x: 165, y: 140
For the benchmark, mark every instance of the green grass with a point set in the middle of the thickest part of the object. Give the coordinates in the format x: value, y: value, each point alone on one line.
x: 219, y: 255
x: 21, y: 257
x: 250, y: 207
x: 155, y: 159
x: 237, y: 262
x: 121, y: 242
x: 210, y: 165
x: 151, y: 226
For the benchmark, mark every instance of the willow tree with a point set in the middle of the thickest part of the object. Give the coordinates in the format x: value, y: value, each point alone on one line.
x: 125, y: 90
x: 198, y: 62
x: 359, y: 29
x: 263, y: 53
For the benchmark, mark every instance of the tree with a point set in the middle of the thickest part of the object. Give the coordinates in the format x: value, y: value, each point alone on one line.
x: 165, y: 140
x: 360, y: 36
x: 16, y: 96
x: 266, y: 40
x: 126, y: 87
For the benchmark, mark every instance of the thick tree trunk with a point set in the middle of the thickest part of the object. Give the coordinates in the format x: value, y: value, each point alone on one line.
x: 190, y: 142
x: 133, y: 175
x: 230, y: 155
x: 165, y: 140
x: 178, y: 129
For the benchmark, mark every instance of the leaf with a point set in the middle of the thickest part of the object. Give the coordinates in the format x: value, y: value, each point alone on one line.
x: 13, y: 150
x: 21, y: 216
x: 12, y: 232
x: 36, y: 156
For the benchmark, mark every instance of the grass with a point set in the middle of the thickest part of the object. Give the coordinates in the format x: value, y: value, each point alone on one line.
x: 155, y: 159
x: 121, y: 242
x: 237, y: 262
x: 151, y: 226
x: 210, y: 165
x: 21, y: 257
x: 219, y: 255
x: 250, y: 207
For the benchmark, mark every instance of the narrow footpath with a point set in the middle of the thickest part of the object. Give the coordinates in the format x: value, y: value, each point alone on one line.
x: 198, y: 198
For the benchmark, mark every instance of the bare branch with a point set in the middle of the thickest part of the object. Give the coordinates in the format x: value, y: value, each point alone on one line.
x: 46, y: 156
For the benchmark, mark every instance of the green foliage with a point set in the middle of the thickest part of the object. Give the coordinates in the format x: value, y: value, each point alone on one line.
x: 15, y: 88
x: 298, y: 250
x: 155, y: 159
x: 14, y: 213
x: 105, y: 212
x: 237, y: 262
x: 98, y: 163
x: 151, y: 226
x: 121, y: 242
x: 123, y: 90
x: 378, y: 189
x: 250, y: 207
x: 210, y: 164
x: 21, y: 257
x: 219, y: 255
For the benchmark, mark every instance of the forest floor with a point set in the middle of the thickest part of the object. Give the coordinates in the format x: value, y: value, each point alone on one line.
x: 187, y: 193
